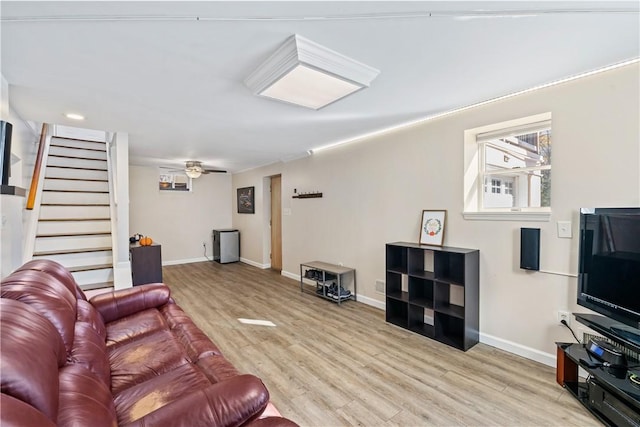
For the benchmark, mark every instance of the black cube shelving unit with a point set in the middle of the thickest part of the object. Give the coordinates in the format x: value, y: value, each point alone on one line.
x: 433, y: 291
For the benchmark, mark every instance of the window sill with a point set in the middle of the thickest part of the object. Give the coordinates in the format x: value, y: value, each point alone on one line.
x: 508, y: 216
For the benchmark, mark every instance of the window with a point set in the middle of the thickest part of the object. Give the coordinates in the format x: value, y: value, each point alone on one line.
x: 495, y: 186
x: 508, y: 188
x: 512, y: 162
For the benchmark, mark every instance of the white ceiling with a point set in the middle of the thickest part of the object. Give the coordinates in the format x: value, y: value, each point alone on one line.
x: 171, y: 73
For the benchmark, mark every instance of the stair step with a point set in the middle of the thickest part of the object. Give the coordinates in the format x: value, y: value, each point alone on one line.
x: 68, y: 212
x: 66, y: 197
x: 77, y: 153
x: 74, y: 162
x: 71, y: 173
x: 66, y: 184
x: 93, y: 286
x: 89, y: 267
x: 76, y: 191
x: 74, y: 204
x: 62, y: 226
x: 81, y: 134
x: 89, y: 277
x: 80, y: 259
x: 68, y: 144
x: 74, y: 219
x: 77, y: 143
x: 74, y: 242
x: 76, y: 179
x: 69, y: 234
x: 70, y: 251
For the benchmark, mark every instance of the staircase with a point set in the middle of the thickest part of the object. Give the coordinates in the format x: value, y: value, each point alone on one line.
x: 74, y: 223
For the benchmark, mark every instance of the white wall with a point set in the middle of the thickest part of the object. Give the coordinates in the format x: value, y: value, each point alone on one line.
x: 179, y: 221
x: 14, y: 216
x: 375, y: 190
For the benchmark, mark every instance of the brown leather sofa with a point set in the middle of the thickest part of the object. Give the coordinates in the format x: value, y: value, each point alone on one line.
x: 128, y: 358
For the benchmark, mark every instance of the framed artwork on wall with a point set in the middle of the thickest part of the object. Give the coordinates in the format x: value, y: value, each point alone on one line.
x: 246, y: 200
x: 432, y: 227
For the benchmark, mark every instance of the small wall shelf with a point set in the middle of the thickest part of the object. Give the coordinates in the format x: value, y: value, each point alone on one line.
x: 307, y: 196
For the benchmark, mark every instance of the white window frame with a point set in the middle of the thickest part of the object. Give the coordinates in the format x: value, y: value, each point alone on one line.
x: 474, y: 179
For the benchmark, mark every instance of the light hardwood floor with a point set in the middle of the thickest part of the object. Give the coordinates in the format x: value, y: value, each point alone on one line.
x: 326, y: 365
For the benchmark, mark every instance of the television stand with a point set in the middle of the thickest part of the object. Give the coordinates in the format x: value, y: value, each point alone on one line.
x: 609, y: 396
x: 625, y: 335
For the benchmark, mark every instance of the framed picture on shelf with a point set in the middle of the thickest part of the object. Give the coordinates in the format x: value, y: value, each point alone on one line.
x: 432, y: 227
x: 246, y: 200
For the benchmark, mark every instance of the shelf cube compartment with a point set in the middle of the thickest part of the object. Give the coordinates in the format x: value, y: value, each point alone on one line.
x: 449, y: 299
x: 397, y: 312
x: 449, y: 329
x: 449, y: 267
x: 396, y: 259
x: 421, y: 292
x: 417, y: 321
x: 421, y: 263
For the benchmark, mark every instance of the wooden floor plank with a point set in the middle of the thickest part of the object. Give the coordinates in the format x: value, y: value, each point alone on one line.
x: 330, y: 365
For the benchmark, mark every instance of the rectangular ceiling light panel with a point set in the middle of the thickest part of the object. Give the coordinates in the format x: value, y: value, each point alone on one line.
x: 305, y: 73
x: 310, y: 88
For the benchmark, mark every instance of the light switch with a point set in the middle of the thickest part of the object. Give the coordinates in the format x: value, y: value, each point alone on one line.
x: 286, y: 211
x: 564, y: 229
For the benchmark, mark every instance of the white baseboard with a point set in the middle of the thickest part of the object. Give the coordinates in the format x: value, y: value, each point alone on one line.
x: 519, y: 349
x: 290, y: 275
x: 184, y: 261
x: 255, y: 264
x: 372, y: 302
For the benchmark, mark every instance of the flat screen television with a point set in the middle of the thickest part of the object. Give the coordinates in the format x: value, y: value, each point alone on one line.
x: 609, y: 265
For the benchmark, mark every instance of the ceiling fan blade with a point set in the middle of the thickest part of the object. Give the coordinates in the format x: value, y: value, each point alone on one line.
x: 213, y: 171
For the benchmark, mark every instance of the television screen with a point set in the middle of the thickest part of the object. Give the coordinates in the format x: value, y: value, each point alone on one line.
x: 609, y: 270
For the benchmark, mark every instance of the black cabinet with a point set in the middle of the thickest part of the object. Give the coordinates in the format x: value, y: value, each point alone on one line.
x: 146, y: 264
x: 433, y: 291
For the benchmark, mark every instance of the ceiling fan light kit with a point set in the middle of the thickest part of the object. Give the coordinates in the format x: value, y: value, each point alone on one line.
x: 304, y: 73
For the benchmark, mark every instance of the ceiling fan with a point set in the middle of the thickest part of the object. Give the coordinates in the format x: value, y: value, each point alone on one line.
x: 194, y: 168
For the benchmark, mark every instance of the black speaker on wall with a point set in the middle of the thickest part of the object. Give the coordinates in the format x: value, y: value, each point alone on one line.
x: 530, y: 248
x: 5, y: 147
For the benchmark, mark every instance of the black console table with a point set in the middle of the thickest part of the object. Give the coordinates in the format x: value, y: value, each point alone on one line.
x: 609, y: 395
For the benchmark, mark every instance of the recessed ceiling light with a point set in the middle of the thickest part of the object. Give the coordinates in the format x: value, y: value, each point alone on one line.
x: 74, y: 116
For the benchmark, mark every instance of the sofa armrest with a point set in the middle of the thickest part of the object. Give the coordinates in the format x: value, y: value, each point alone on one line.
x: 118, y: 304
x: 233, y: 402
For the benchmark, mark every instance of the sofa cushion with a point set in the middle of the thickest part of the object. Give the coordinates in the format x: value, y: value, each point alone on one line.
x: 56, y: 270
x: 88, y: 314
x: 196, y: 342
x: 118, y: 304
x: 90, y: 351
x: 141, y: 399
x: 48, y: 296
x: 32, y: 352
x: 16, y: 413
x: 144, y: 358
x: 126, y: 329
x: 217, y: 368
x: 84, y: 399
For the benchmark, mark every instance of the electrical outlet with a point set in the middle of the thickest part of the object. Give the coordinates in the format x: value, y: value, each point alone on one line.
x: 380, y: 286
x: 564, y: 315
